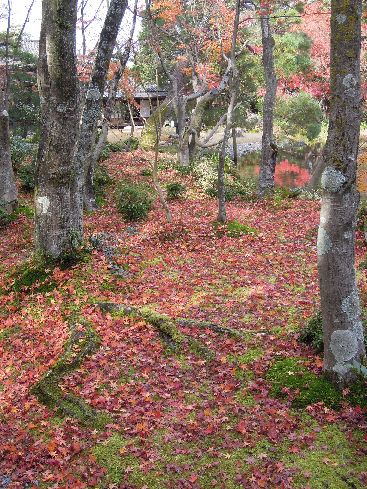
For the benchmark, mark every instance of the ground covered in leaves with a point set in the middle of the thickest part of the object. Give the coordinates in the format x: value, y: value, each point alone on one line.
x: 95, y: 397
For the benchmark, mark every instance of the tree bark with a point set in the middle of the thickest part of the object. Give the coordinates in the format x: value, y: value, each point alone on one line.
x: 268, y: 154
x: 342, y: 326
x: 58, y: 222
x: 8, y: 189
x: 93, y: 101
x: 222, y: 215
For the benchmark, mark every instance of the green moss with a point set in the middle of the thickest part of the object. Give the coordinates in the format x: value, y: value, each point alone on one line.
x: 249, y: 356
x: 83, y: 342
x: 108, y: 456
x: 331, y: 462
x: 8, y: 332
x: 121, y: 466
x: 235, y: 229
x: 32, y: 275
x: 244, y: 398
x: 310, y: 388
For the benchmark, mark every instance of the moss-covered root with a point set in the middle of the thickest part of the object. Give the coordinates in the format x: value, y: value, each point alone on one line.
x: 166, y: 327
x: 83, y: 342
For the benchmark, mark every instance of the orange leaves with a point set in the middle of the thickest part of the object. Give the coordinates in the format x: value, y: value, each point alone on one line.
x: 167, y: 10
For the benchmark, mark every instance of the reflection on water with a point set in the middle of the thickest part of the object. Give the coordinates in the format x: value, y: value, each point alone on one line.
x: 293, y: 172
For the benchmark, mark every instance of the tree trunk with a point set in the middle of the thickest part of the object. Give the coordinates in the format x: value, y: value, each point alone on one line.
x: 58, y: 221
x: 268, y: 156
x: 93, y: 100
x: 222, y: 215
x: 343, y: 331
x: 235, y: 148
x: 8, y: 189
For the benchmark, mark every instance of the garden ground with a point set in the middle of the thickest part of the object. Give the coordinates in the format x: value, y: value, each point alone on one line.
x: 170, y: 357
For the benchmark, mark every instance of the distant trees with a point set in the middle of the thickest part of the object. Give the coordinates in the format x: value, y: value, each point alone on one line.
x: 341, y: 313
x: 192, y: 43
x: 92, y: 105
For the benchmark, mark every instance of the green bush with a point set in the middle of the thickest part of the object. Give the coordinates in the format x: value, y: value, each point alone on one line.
x: 183, y: 170
x: 146, y: 172
x: 27, y: 176
x: 134, y: 200
x: 21, y: 151
x: 175, y: 190
x: 129, y: 144
x: 105, y: 153
x: 299, y: 115
x: 362, y: 215
x: 205, y: 171
x: 312, y: 334
x: 5, y: 218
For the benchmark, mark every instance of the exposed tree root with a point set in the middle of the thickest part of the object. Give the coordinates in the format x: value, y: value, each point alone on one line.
x: 166, y: 327
x: 83, y: 342
x: 169, y: 325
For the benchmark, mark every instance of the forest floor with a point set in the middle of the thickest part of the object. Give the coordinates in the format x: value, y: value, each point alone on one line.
x: 96, y: 396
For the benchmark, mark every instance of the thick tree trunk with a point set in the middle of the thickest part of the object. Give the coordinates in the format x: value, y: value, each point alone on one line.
x: 268, y: 156
x: 93, y: 100
x: 343, y: 331
x: 58, y: 221
x: 8, y: 189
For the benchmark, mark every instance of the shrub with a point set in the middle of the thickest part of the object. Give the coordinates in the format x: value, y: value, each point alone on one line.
x: 205, y: 172
x: 175, y: 190
x: 184, y: 170
x: 101, y: 177
x: 5, y: 218
x: 27, y: 176
x: 21, y: 151
x: 299, y: 115
x: 129, y: 144
x: 362, y: 215
x: 312, y: 334
x: 105, y: 153
x: 146, y: 172
x: 134, y: 200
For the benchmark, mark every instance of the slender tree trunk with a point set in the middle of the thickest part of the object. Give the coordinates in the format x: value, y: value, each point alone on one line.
x: 341, y: 313
x: 132, y: 122
x: 222, y: 214
x: 8, y: 189
x: 58, y: 222
x: 93, y: 100
x: 268, y: 154
x: 235, y: 148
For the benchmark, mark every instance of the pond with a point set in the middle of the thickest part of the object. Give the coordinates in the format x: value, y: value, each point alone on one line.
x: 290, y: 171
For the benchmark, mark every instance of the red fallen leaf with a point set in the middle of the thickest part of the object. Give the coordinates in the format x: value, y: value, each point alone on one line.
x: 76, y: 447
x: 193, y: 478
x: 241, y: 427
x: 51, y: 446
x: 365, y: 437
